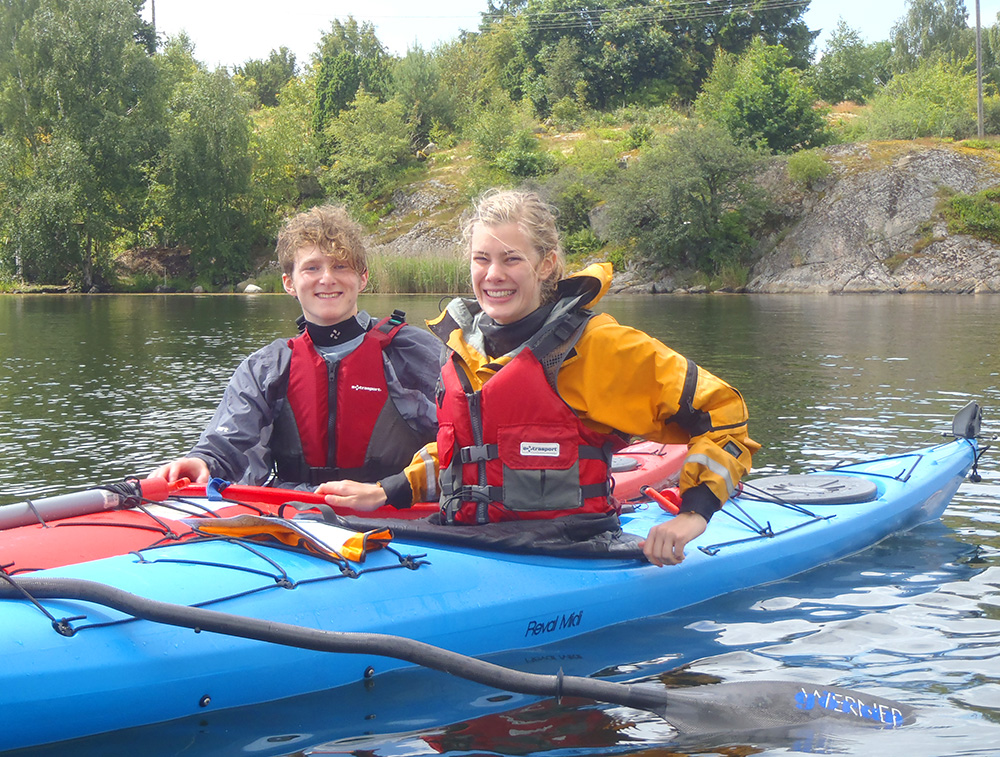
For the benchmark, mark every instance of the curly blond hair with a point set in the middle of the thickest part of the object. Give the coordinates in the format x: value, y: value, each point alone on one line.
x: 535, y: 218
x: 331, y: 229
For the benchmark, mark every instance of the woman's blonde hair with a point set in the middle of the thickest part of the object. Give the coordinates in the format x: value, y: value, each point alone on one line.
x: 331, y: 229
x: 535, y: 218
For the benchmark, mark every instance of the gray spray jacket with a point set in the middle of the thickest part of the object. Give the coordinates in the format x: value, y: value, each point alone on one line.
x: 236, y: 444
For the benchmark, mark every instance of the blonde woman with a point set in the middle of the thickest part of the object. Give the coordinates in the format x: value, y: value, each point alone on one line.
x: 537, y: 392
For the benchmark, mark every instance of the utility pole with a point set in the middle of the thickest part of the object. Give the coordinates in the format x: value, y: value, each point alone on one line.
x: 979, y: 73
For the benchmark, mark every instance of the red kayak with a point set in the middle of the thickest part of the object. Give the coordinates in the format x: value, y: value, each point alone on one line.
x: 128, y: 517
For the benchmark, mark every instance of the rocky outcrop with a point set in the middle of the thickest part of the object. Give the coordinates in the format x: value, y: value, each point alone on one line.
x: 419, y: 209
x: 421, y: 239
x: 874, y: 225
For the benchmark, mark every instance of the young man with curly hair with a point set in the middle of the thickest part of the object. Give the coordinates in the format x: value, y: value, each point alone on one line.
x: 349, y: 398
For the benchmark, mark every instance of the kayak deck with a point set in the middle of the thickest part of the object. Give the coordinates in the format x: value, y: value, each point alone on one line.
x: 94, y: 535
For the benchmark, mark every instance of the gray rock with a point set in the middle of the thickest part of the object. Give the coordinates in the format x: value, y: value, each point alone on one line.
x: 600, y: 221
x: 664, y: 286
x: 860, y: 232
x: 420, y: 199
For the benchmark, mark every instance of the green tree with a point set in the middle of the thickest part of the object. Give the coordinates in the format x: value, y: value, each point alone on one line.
x: 176, y: 64
x: 937, y: 99
x: 706, y: 28
x: 739, y: 23
x: 522, y: 156
x: 991, y: 55
x: 145, y: 34
x: 689, y: 201
x: 205, y: 188
x: 286, y: 163
x: 498, y: 10
x: 931, y: 28
x: 633, y: 50
x: 850, y: 69
x: 492, y: 127
x: 370, y: 142
x: 563, y: 73
x: 263, y: 79
x: 417, y: 84
x: 43, y: 218
x: 475, y: 66
x: 350, y: 57
x: 502, y: 138
x: 77, y: 80
x: 585, y: 178
x: 19, y: 62
x: 621, y: 45
x: 761, y: 100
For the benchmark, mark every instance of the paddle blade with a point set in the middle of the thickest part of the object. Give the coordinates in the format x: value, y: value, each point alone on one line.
x: 767, y: 705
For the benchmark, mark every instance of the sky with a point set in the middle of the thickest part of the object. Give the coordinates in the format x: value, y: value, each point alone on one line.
x: 230, y: 32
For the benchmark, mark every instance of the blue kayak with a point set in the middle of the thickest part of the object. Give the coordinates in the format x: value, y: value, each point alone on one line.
x: 71, y: 667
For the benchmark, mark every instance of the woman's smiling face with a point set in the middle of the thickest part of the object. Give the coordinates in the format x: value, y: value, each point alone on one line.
x: 506, y: 272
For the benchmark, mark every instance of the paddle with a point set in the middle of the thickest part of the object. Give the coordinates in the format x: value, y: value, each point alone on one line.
x: 271, y: 495
x: 741, y: 706
x: 115, y: 496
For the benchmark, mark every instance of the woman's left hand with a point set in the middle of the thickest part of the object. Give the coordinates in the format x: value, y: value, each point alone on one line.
x: 665, y: 543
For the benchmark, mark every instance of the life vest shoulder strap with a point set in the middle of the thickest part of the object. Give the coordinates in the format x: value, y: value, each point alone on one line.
x: 553, y: 345
x: 385, y: 330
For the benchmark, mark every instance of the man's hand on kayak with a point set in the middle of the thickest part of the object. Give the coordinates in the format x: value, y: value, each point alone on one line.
x: 665, y: 543
x: 193, y: 468
x: 352, y: 494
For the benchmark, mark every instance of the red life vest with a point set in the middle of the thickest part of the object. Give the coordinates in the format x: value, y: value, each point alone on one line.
x: 342, y: 423
x: 515, y: 450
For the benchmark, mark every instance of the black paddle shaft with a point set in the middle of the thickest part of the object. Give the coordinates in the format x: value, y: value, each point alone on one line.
x: 740, y: 706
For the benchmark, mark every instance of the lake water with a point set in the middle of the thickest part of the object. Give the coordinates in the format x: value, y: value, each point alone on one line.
x: 94, y: 388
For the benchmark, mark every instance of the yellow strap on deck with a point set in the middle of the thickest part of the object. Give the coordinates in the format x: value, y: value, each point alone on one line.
x: 313, y: 536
